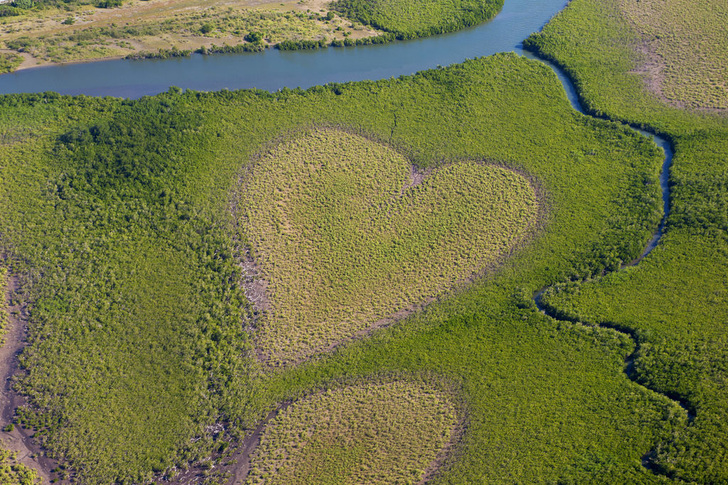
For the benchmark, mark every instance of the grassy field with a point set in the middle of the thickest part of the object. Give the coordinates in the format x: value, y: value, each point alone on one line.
x: 675, y: 301
x: 162, y: 28
x: 684, y: 44
x: 345, y: 240
x: 117, y: 216
x: 376, y: 433
x: 147, y: 27
x: 418, y: 18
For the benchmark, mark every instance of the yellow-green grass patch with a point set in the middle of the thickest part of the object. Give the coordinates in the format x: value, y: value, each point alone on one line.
x: 348, y: 235
x: 378, y: 433
x: 12, y: 472
x: 9, y: 62
x: 686, y: 44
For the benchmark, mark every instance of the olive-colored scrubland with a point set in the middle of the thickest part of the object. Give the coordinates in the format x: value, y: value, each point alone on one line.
x: 376, y: 433
x: 9, y: 62
x: 348, y: 235
x: 14, y: 473
x: 58, y: 32
x: 210, y: 30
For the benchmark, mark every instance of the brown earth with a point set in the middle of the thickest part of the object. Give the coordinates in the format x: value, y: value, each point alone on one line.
x: 234, y: 465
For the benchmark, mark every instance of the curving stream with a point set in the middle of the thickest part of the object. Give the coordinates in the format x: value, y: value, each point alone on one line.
x: 273, y: 70
x: 661, y: 142
x: 652, y: 244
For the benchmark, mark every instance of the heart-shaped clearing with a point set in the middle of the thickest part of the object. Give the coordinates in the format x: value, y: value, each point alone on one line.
x: 378, y: 433
x: 345, y: 235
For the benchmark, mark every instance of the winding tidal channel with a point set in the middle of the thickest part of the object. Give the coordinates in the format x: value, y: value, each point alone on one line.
x: 652, y: 244
x: 273, y: 70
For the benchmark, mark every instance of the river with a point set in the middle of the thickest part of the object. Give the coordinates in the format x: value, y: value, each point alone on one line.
x: 272, y: 70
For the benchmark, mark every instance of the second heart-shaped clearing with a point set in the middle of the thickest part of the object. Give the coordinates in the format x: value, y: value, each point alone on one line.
x: 346, y: 235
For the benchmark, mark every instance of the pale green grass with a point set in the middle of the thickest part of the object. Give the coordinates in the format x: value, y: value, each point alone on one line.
x: 686, y: 43
x: 377, y: 433
x: 345, y: 242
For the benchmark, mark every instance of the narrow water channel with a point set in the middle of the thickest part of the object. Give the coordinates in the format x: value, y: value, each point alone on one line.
x: 629, y: 367
x: 661, y: 142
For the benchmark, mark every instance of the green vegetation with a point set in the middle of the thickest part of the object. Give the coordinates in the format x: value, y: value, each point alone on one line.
x: 9, y: 11
x: 64, y: 49
x: 41, y: 4
x: 192, y: 29
x: 108, y: 3
x: 9, y: 62
x: 23, y: 4
x: 297, y: 45
x: 117, y: 215
x: 135, y: 341
x: 615, y: 85
x: 418, y: 18
x: 306, y: 205
x: 160, y: 54
x: 682, y: 351
x: 14, y: 473
x: 675, y: 301
x: 374, y: 433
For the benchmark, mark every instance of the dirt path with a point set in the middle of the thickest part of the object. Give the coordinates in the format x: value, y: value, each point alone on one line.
x: 242, y: 455
x: 236, y: 465
x: 18, y: 440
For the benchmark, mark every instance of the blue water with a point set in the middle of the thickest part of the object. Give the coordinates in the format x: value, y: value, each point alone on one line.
x: 273, y: 69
